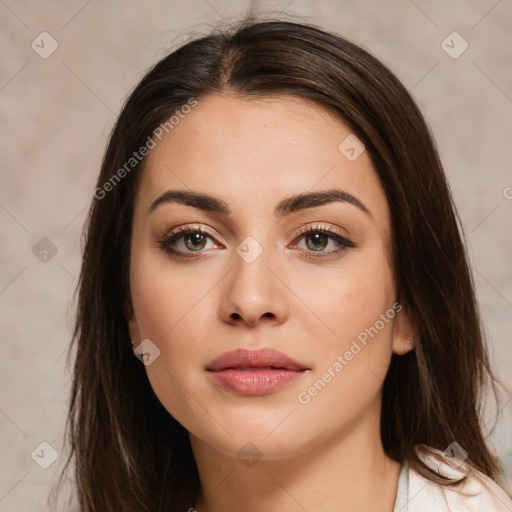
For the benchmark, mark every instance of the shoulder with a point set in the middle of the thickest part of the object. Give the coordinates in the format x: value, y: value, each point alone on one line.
x: 477, y: 493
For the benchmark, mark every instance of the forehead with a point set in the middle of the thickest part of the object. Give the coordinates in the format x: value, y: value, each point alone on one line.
x: 255, y: 152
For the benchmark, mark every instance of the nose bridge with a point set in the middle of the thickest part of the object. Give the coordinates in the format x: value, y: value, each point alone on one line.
x: 253, y: 288
x: 251, y: 271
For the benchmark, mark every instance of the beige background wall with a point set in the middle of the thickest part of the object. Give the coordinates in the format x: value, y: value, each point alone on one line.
x: 56, y: 112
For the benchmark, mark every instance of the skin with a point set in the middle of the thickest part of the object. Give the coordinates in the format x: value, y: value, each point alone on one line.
x: 325, y: 455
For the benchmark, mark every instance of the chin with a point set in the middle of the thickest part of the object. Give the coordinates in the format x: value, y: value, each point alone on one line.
x: 248, y: 441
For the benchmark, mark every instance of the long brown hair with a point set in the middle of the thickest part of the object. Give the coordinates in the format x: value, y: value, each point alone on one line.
x: 130, y: 453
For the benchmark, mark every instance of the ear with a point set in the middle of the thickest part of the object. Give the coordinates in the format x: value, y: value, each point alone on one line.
x: 405, y: 334
x: 133, y: 326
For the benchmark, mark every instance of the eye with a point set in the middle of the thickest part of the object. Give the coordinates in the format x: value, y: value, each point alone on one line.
x: 194, y: 239
x: 317, y: 238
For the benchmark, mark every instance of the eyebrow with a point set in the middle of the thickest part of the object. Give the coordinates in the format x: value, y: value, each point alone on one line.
x: 289, y: 205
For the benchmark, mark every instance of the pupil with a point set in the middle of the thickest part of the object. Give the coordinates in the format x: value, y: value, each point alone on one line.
x: 195, y: 239
x: 316, y: 237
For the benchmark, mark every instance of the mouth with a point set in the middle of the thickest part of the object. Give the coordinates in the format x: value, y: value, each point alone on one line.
x: 255, y: 372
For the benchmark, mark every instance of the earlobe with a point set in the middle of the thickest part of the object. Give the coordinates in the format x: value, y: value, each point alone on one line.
x: 404, y: 333
x: 402, y: 346
x: 133, y: 329
x: 133, y: 326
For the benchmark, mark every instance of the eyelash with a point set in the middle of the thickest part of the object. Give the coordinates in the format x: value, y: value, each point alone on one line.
x: 178, y: 233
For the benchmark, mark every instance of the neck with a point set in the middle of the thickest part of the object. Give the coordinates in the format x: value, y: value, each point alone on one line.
x: 349, y: 471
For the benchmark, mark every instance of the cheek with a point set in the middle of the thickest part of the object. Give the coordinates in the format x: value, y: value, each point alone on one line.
x: 170, y: 308
x: 167, y: 302
x: 353, y: 355
x: 164, y: 292
x: 349, y: 299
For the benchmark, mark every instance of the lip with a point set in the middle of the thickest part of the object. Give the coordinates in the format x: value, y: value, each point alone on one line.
x: 255, y: 372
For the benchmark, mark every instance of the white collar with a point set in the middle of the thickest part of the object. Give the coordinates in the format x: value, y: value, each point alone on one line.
x: 402, y: 493
x: 478, y: 492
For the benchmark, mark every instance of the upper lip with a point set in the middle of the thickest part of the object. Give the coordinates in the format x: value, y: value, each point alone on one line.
x: 261, y: 358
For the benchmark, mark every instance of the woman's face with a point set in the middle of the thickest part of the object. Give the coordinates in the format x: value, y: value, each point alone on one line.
x: 254, y: 279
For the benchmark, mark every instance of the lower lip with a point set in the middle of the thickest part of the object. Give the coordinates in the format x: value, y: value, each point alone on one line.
x: 255, y: 382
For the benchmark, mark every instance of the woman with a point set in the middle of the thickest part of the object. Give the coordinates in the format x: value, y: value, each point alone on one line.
x: 273, y: 236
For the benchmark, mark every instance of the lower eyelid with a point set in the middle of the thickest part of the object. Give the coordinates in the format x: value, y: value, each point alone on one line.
x: 341, y: 246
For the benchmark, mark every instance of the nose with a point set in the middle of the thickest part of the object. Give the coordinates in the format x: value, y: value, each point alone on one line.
x: 254, y: 292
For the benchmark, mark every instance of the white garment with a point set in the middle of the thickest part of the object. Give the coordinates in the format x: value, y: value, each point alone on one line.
x: 478, y: 493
